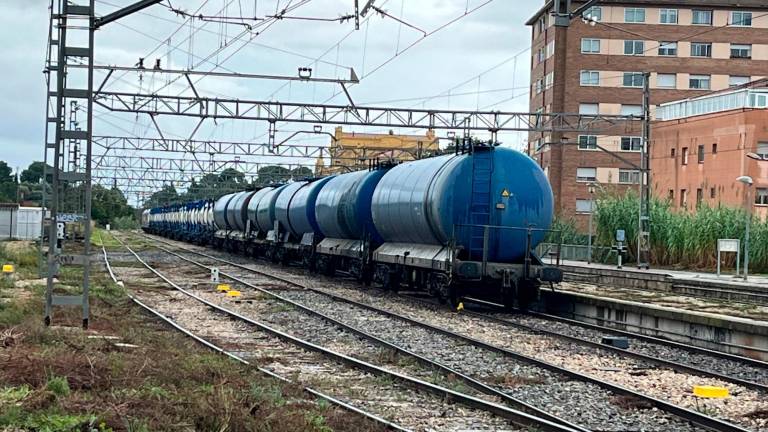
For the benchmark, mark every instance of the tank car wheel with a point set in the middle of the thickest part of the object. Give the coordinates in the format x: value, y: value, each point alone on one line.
x: 527, y: 295
x: 508, y: 296
x: 381, y: 276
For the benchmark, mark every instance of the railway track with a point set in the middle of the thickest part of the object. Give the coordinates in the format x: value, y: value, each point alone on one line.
x: 333, y: 301
x: 424, y: 405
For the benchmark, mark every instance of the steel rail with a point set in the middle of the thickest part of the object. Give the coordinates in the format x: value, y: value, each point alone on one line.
x: 653, y: 339
x: 472, y: 382
x: 684, y: 413
x: 517, y: 417
x: 680, y: 367
x: 334, y: 401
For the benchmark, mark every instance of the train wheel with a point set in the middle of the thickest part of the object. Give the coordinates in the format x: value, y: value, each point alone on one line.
x: 508, y: 296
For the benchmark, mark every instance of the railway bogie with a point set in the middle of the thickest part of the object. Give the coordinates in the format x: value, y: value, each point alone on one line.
x: 452, y: 225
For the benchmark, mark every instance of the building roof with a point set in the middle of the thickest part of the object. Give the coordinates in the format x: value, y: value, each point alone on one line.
x: 752, y: 95
x: 741, y: 4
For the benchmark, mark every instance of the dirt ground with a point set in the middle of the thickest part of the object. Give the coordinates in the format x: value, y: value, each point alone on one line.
x: 66, y: 379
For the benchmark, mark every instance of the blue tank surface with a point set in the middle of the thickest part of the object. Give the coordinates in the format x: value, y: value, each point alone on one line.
x: 265, y: 213
x: 253, y: 208
x: 283, y: 203
x: 301, y: 210
x: 343, y: 206
x: 431, y: 200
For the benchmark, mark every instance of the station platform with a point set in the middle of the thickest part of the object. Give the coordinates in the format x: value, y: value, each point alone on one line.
x: 675, y: 276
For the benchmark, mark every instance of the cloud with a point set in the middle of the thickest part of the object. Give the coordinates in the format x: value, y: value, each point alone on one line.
x: 435, y: 64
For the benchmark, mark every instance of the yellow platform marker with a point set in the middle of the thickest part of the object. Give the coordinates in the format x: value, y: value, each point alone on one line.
x: 711, y: 392
x: 233, y: 293
x: 223, y: 288
x: 8, y: 269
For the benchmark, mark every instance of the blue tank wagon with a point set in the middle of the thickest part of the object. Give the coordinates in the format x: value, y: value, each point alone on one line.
x: 453, y: 225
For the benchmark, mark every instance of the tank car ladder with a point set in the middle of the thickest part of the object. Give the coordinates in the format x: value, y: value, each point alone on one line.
x: 480, y: 205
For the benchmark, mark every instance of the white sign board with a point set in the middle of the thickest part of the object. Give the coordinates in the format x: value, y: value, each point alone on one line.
x: 728, y: 245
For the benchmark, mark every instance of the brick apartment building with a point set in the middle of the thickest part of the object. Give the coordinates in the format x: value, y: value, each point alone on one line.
x: 701, y: 145
x: 690, y: 47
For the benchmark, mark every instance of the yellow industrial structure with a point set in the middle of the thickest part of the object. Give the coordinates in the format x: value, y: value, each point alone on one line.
x: 352, y: 151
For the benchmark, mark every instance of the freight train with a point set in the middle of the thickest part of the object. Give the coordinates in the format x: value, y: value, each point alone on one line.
x: 461, y: 224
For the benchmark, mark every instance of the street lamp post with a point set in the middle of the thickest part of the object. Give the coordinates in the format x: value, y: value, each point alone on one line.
x: 748, y: 182
x: 591, y: 213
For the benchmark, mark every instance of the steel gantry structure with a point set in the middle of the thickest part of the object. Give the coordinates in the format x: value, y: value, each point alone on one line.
x: 71, y: 32
x: 351, y: 115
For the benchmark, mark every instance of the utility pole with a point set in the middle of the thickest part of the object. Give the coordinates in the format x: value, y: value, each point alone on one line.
x: 70, y: 42
x: 644, y: 222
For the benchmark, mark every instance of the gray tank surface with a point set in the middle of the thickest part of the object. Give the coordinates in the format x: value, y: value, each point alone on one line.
x: 237, y: 210
x: 282, y: 204
x: 253, y: 207
x: 265, y: 212
x: 220, y: 212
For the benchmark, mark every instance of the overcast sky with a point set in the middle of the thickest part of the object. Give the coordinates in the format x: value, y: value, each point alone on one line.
x: 494, y: 34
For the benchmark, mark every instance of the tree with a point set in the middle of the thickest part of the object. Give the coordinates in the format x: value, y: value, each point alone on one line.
x: 34, y: 173
x: 108, y: 205
x: 301, y: 173
x: 164, y: 196
x: 8, y: 183
x: 271, y: 174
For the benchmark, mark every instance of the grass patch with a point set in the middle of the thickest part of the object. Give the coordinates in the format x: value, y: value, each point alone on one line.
x: 60, y: 379
x: 57, y: 385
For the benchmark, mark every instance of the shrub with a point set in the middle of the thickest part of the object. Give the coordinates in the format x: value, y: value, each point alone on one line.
x: 680, y: 238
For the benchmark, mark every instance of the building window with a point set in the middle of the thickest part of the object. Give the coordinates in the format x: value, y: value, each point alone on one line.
x: 761, y: 196
x: 712, y: 193
x: 542, y: 23
x: 667, y: 81
x: 631, y: 143
x: 736, y: 81
x: 539, y: 86
x: 594, y: 13
x: 668, y: 16
x: 590, y: 78
x: 700, y: 82
x: 672, y: 152
x: 699, y: 196
x: 589, y: 108
x: 634, y: 47
x: 702, y: 17
x: 634, y: 15
x: 590, y: 46
x: 762, y: 150
x: 587, y: 142
x: 741, y: 51
x: 668, y: 49
x: 586, y: 174
x: 671, y: 194
x: 741, y: 19
x: 714, y: 148
x: 584, y: 206
x: 683, y: 197
x: 701, y: 154
x: 632, y: 110
x: 633, y: 79
x: 629, y: 176
x: 685, y: 156
x: 700, y: 49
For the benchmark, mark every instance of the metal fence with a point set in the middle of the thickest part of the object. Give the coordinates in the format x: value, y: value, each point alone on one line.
x: 548, y: 252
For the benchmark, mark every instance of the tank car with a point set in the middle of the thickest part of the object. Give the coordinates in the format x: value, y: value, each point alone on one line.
x: 464, y: 223
x: 460, y: 224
